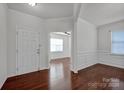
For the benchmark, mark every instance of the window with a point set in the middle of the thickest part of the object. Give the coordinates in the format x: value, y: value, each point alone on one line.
x: 56, y: 45
x: 118, y: 42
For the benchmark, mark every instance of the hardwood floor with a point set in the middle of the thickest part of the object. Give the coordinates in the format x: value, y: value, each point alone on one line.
x: 100, y: 77
x: 59, y: 76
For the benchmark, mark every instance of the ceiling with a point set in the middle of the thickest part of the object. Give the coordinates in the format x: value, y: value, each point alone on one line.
x: 44, y: 10
x: 95, y: 13
x: 104, y: 13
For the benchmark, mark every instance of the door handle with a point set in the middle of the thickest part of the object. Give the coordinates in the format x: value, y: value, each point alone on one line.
x: 38, y: 51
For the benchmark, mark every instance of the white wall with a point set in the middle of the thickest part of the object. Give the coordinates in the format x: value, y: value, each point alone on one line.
x: 86, y: 44
x: 18, y: 19
x: 3, y: 44
x: 66, y: 46
x: 104, y: 44
x: 59, y: 24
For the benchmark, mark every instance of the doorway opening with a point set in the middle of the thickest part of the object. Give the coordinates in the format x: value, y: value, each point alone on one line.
x: 60, y: 46
x: 60, y: 58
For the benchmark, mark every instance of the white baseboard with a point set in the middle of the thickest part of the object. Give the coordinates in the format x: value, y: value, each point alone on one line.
x: 2, y: 82
x: 74, y: 70
x: 43, y: 68
x: 84, y: 66
x: 105, y: 57
x: 114, y: 65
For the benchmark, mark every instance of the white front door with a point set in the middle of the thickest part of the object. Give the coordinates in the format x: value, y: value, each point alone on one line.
x: 27, y: 51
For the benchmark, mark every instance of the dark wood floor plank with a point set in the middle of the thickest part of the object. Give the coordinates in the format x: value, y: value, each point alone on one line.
x: 59, y: 76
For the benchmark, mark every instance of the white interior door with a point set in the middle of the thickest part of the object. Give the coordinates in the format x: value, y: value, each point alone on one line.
x: 27, y: 51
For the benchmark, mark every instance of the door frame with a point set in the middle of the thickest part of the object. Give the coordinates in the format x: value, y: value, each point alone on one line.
x: 25, y: 28
x: 48, y: 48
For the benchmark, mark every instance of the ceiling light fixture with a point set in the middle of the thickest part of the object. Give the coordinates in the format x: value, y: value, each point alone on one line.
x: 32, y: 4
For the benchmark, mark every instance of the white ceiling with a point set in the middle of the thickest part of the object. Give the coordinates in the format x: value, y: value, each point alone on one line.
x: 95, y: 13
x: 45, y: 10
x: 100, y: 14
